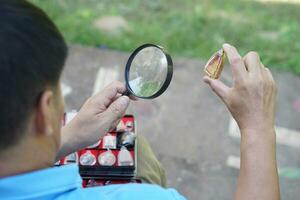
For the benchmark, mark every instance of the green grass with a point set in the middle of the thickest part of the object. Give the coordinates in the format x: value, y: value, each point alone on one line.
x: 148, y: 89
x: 187, y: 27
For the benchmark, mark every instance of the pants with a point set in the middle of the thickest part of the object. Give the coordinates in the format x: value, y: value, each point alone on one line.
x: 149, y: 170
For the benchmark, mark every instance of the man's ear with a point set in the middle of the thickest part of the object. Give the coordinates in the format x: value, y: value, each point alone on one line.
x: 44, y: 112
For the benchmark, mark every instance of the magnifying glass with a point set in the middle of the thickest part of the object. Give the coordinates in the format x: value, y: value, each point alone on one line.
x: 148, y: 72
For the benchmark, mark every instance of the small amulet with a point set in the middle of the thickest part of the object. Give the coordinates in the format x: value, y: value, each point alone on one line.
x: 215, y: 64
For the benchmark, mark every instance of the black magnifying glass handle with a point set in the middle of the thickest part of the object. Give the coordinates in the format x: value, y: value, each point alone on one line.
x: 126, y: 93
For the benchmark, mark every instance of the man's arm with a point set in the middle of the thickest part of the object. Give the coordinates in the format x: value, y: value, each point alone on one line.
x: 251, y: 101
x: 258, y: 173
x: 98, y: 115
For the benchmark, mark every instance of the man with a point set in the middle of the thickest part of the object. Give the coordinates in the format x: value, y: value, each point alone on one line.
x: 32, y: 55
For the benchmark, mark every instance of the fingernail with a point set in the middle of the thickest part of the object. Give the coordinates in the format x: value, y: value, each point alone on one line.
x: 206, y: 79
x: 124, y: 101
x: 226, y: 45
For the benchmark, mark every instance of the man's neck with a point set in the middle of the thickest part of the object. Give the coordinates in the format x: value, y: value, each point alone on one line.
x: 25, y: 157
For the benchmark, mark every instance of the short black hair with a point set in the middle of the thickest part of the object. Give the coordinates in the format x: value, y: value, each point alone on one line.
x: 32, y: 55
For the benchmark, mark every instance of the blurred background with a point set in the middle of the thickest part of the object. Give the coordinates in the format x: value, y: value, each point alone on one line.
x: 191, y: 28
x: 188, y: 127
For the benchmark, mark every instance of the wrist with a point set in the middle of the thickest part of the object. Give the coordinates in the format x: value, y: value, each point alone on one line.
x: 72, y: 133
x: 69, y: 140
x: 257, y: 129
x: 258, y: 138
x: 258, y: 125
x: 255, y: 123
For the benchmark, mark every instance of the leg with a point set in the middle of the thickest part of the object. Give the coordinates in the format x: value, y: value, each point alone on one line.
x: 149, y: 170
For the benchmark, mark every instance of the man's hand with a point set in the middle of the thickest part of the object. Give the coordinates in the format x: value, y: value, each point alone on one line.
x: 251, y: 101
x: 98, y: 115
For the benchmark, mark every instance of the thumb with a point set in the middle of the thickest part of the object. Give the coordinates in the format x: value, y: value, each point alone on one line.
x: 217, y: 86
x: 118, y: 108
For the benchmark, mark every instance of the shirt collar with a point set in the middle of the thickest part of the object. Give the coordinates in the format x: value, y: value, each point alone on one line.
x: 48, y: 181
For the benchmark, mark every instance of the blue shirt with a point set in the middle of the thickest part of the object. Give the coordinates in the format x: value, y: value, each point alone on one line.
x: 64, y: 183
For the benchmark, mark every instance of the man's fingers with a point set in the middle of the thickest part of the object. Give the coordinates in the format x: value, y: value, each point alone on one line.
x: 252, y: 62
x: 117, y: 108
x: 271, y: 79
x: 217, y: 86
x: 114, y: 124
x: 109, y: 93
x: 133, y: 98
x: 269, y: 74
x: 236, y: 62
x: 117, y: 96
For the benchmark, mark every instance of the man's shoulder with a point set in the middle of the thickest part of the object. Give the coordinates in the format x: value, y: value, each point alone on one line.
x: 124, y: 192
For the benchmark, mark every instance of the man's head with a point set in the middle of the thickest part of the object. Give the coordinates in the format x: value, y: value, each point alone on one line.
x: 32, y: 55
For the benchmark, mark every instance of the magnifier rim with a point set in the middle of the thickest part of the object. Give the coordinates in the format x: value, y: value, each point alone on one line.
x: 169, y: 70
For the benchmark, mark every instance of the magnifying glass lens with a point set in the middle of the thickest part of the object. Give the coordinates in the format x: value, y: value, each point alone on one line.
x: 148, y: 71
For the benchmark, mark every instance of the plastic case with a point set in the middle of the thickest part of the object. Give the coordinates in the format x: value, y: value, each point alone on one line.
x: 96, y: 174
